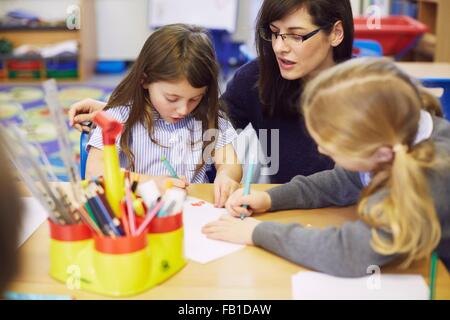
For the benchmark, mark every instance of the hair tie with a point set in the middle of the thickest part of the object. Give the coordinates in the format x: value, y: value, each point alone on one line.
x: 400, y: 147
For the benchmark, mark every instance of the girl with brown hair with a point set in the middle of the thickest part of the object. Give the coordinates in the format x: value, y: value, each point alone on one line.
x: 169, y: 104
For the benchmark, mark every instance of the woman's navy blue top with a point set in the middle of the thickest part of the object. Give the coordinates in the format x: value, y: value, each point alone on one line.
x: 298, y: 154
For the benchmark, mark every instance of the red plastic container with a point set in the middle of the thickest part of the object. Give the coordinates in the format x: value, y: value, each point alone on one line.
x: 24, y: 65
x: 396, y: 34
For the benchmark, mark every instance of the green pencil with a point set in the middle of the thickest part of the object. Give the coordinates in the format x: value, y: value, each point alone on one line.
x: 433, y: 269
x: 169, y: 167
x: 248, y: 181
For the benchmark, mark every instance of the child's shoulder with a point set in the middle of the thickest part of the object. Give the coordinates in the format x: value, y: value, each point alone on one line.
x: 441, y: 134
x: 223, y: 121
x: 120, y: 113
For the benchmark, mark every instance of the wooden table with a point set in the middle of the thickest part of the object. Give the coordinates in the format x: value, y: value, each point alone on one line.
x: 251, y: 273
x: 426, y: 69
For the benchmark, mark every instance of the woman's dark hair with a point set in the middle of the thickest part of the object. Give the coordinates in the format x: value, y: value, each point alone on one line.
x: 173, y: 52
x: 278, y: 95
x: 10, y: 219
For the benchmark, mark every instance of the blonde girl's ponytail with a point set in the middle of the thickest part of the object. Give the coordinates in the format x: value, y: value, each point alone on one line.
x: 360, y: 106
x: 408, y: 211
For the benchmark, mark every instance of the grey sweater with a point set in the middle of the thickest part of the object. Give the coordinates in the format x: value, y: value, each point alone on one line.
x: 344, y: 251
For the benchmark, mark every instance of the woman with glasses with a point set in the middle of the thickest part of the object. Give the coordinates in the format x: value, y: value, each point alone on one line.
x: 296, y: 39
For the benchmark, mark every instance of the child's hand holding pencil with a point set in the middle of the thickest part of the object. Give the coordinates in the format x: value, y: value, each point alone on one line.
x: 161, y: 181
x: 175, y: 179
x: 257, y: 202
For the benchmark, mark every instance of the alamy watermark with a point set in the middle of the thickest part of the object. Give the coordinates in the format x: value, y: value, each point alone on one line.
x: 373, y: 14
x: 374, y: 280
x: 261, y: 149
x: 73, y: 281
x: 73, y: 19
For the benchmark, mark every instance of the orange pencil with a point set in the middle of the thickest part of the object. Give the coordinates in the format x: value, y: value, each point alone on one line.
x: 129, y: 204
x: 126, y: 226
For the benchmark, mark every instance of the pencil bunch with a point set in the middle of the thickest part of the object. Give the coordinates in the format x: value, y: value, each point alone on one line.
x: 36, y: 172
x: 90, y: 205
x: 115, y: 205
x: 34, y: 167
x: 136, y: 212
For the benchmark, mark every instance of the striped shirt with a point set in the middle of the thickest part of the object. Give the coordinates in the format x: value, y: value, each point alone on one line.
x: 181, y: 143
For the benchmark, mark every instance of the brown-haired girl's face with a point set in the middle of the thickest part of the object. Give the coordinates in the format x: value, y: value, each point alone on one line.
x: 174, y: 100
x: 297, y: 60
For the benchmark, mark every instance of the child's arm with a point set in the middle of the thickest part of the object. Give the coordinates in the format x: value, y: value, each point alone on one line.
x: 344, y: 251
x: 336, y: 187
x: 229, y: 174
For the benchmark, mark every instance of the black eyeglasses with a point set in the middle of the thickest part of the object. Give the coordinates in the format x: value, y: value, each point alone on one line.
x: 292, y: 38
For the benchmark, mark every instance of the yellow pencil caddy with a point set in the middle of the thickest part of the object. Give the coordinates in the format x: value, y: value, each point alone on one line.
x: 165, y: 237
x: 121, y: 266
x: 67, y: 244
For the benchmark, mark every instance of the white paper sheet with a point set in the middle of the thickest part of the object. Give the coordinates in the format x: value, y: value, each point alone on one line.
x: 197, y: 213
x: 319, y: 286
x: 33, y: 216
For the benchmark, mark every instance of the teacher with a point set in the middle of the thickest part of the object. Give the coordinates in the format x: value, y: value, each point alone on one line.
x: 296, y: 40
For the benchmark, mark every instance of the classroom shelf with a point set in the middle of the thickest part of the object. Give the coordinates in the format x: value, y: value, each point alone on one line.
x: 44, y: 35
x: 5, y: 28
x: 35, y: 67
x: 435, y: 14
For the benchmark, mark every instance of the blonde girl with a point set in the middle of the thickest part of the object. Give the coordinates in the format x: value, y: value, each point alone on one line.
x: 391, y: 160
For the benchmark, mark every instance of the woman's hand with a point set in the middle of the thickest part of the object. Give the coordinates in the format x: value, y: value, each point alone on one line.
x: 231, y: 229
x: 229, y: 173
x: 257, y: 202
x: 84, y: 111
x: 224, y: 186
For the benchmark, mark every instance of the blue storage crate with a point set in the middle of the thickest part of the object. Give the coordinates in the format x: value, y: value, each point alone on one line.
x: 61, y: 64
x: 404, y: 8
x: 228, y: 52
x: 111, y: 66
